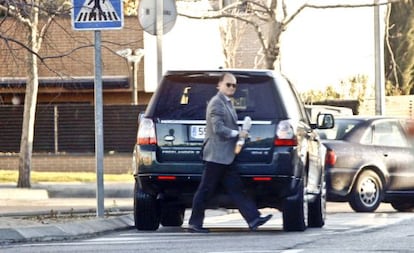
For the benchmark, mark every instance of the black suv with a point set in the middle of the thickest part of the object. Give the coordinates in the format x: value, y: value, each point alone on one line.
x: 281, y: 165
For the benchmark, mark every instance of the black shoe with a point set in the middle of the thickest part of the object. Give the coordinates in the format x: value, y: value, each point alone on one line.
x: 197, y: 229
x: 259, y: 221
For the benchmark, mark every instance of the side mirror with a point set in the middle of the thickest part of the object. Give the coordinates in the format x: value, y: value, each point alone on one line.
x: 325, y: 121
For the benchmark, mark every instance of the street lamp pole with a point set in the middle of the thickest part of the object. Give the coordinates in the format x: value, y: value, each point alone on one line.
x: 379, y: 62
x: 133, y: 58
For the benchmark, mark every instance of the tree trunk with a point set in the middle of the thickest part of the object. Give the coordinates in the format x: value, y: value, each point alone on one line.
x: 274, y: 31
x: 399, y: 56
x: 26, y: 144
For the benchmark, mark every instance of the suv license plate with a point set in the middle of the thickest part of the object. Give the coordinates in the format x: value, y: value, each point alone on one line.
x: 197, y: 133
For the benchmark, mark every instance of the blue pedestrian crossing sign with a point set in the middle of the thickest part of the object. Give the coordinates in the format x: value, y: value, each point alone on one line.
x: 97, y: 14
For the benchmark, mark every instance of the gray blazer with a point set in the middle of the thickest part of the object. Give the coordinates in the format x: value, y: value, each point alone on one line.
x: 221, y: 120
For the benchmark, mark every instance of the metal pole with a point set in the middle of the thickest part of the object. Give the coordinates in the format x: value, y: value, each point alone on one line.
x: 98, y: 127
x: 135, y: 82
x: 379, y: 63
x: 56, y: 124
x: 160, y: 32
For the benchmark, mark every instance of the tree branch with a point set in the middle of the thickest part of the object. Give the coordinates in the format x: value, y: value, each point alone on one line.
x: 313, y: 6
x: 23, y: 45
x: 247, y: 21
x: 14, y: 11
x: 391, y: 52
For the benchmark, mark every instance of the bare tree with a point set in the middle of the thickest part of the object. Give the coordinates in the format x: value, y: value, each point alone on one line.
x: 399, y: 54
x: 269, y: 19
x: 231, y: 31
x: 26, y: 28
x: 35, y: 16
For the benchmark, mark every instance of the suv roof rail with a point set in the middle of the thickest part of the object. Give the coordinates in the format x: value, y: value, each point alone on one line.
x: 218, y: 72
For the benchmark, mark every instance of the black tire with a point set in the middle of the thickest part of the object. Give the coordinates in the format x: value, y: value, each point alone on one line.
x: 146, y: 213
x: 295, y: 211
x: 403, y: 206
x: 366, y: 194
x: 172, y: 216
x: 317, y: 208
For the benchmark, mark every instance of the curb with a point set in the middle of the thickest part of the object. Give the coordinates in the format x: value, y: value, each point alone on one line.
x: 87, y: 190
x: 23, y: 194
x: 64, y: 231
x: 68, y: 211
x: 65, y: 190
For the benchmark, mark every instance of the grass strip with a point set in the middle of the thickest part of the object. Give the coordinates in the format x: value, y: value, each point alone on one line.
x: 11, y: 176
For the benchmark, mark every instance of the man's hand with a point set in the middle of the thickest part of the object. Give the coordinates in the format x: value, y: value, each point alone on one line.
x: 243, y: 134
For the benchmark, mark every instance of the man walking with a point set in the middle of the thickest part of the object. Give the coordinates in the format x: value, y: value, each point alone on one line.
x: 218, y: 153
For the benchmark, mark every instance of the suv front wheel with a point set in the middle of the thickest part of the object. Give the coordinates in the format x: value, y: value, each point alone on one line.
x: 172, y: 215
x: 317, y: 208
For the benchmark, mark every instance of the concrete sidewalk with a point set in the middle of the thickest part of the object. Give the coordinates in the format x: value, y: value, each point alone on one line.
x: 66, y: 190
x: 22, y: 211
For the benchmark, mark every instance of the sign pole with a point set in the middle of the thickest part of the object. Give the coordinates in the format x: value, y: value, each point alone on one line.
x: 99, y: 127
x: 98, y: 15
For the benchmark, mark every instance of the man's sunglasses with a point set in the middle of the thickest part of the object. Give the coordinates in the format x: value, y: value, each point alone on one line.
x: 231, y: 85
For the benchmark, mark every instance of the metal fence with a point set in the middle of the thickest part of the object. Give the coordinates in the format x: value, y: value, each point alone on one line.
x: 70, y: 128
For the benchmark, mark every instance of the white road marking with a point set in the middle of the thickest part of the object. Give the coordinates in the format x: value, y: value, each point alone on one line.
x: 250, y: 251
x: 259, y: 251
x: 229, y: 223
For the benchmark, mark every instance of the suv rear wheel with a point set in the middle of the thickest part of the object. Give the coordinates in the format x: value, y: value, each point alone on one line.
x: 295, y: 211
x: 146, y: 214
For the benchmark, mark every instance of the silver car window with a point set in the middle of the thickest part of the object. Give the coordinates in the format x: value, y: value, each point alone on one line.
x: 389, y: 134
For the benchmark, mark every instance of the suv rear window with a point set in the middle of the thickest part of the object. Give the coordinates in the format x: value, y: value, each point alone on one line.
x: 186, y: 97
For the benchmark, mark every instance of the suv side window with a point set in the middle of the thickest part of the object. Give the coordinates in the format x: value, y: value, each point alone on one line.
x: 288, y: 94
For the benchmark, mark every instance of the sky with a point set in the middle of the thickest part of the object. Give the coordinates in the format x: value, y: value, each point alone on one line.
x: 320, y: 47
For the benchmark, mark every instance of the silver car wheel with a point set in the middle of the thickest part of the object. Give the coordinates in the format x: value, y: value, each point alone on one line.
x: 368, y: 192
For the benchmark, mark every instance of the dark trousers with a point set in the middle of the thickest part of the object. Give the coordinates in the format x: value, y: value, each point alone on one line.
x: 215, y: 174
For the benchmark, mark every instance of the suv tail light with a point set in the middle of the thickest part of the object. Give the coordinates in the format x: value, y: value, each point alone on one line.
x: 146, y: 132
x: 285, y: 135
x: 330, y: 158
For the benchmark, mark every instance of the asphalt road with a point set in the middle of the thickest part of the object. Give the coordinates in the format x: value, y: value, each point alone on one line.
x: 345, y: 231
